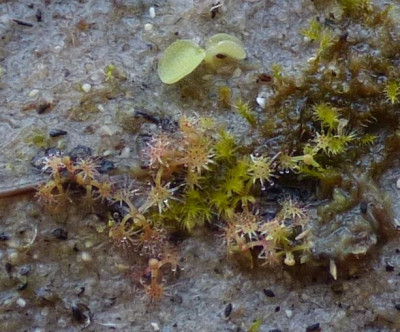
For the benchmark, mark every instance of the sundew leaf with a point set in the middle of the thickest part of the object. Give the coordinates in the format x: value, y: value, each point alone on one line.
x: 179, y: 60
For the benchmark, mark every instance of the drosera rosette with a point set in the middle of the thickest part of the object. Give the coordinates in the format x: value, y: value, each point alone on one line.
x: 183, y: 56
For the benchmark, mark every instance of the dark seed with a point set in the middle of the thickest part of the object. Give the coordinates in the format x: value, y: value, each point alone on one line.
x: 313, y: 327
x: 363, y: 207
x: 60, y: 234
x: 389, y: 267
x: 228, y: 310
x: 57, y: 132
x: 4, y: 236
x: 277, y: 309
x: 268, y: 292
x: 397, y: 306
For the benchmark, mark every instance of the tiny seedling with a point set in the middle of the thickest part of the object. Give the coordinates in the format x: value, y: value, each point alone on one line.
x: 183, y: 56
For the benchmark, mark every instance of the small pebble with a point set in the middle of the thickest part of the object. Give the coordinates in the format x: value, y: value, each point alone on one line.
x: 62, y: 323
x: 33, y: 93
x: 45, y: 311
x: 237, y: 73
x: 86, y: 87
x: 148, y: 27
x: 261, y: 101
x: 152, y: 12
x: 289, y: 313
x: 269, y: 292
x: 86, y: 257
x: 155, y: 326
x: 13, y: 257
x: 398, y: 183
x: 125, y: 153
x: 21, y: 302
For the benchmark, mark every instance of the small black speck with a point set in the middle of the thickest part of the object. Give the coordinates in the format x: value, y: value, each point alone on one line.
x: 38, y: 15
x: 9, y: 267
x: 228, y: 310
x: 397, y: 251
x: 337, y: 288
x: 21, y: 286
x: 363, y: 207
x: 389, y: 267
x: 78, y: 314
x: 275, y: 330
x: 268, y: 292
x: 60, y: 233
x: 397, y: 306
x: 313, y: 327
x: 277, y: 309
x: 43, y: 107
x: 176, y: 299
x: 81, y: 291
